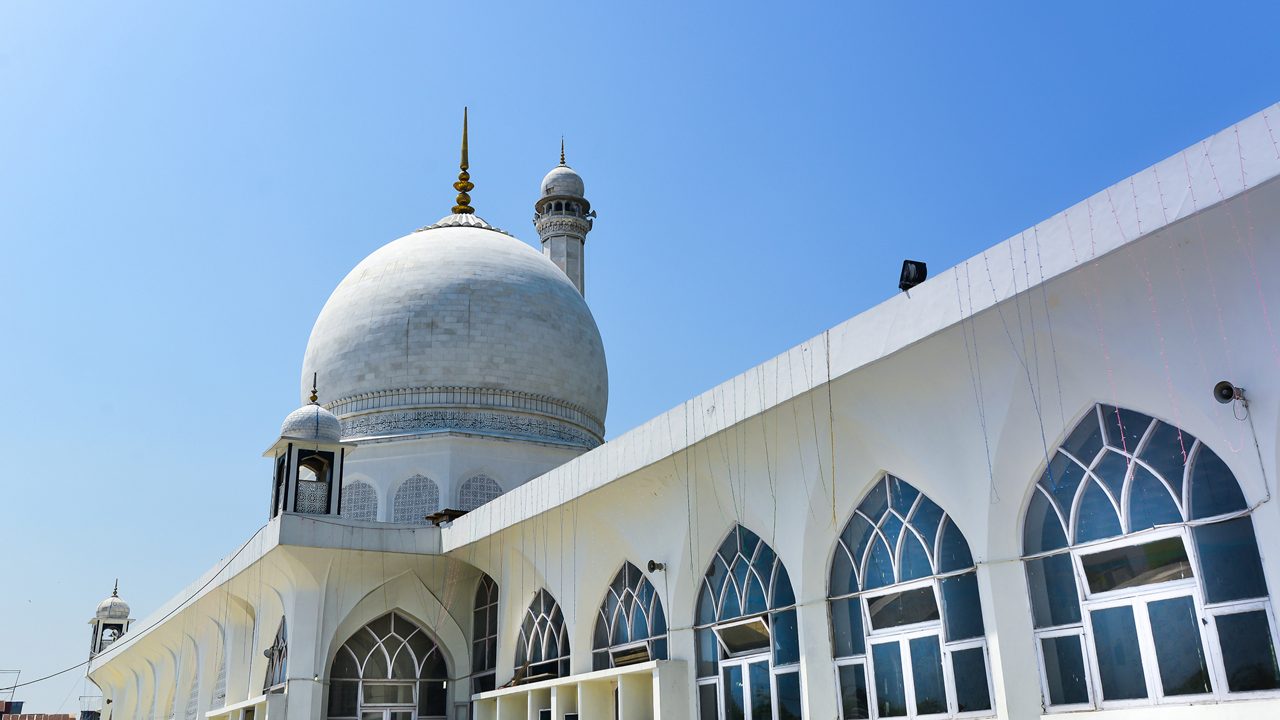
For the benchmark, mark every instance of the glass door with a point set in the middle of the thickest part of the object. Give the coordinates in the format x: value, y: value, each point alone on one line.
x: 748, y: 689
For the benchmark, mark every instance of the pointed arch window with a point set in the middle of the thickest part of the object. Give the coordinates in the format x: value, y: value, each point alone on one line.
x: 630, y: 625
x: 277, y: 660
x: 484, y: 636
x: 477, y: 491
x: 416, y: 498
x: 1145, y: 579
x: 388, y: 670
x: 542, y: 648
x: 906, y: 621
x: 748, y: 648
x: 359, y: 501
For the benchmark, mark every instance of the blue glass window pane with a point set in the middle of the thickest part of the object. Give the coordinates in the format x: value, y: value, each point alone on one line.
x: 1097, y: 517
x: 891, y: 527
x: 783, y: 595
x: 926, y: 519
x: 1064, y: 669
x: 953, y: 554
x: 926, y: 671
x: 1166, y: 451
x: 730, y: 606
x: 1042, y: 531
x: 855, y: 533
x: 1086, y: 439
x: 891, y: 694
x: 879, y: 572
x: 786, y: 639
x: 639, y: 624
x: 846, y: 627
x: 761, y: 691
x: 1175, y: 628
x: 706, y: 607
x: 708, y: 652
x: 789, y: 696
x: 1124, y: 427
x: 1150, y: 503
x: 756, y: 602
x: 843, y: 578
x: 1115, y: 639
x: 1061, y: 479
x: 962, y: 608
x: 874, y: 504
x: 915, y: 562
x: 901, y: 495
x: 716, y: 575
x: 658, y: 649
x: 747, y: 542
x: 1111, y: 470
x: 969, y: 668
x: 734, y: 693
x: 853, y: 693
x: 1248, y: 655
x: 1214, y: 490
x: 708, y: 702
x: 1229, y: 562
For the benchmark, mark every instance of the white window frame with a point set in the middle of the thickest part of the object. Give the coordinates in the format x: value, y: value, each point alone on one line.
x: 744, y: 661
x: 914, y: 630
x: 753, y: 620
x: 1146, y: 646
x: 867, y: 597
x: 1219, y: 669
x: 1076, y: 631
x: 1138, y: 597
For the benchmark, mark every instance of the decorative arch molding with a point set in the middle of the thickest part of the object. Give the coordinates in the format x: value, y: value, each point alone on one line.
x: 408, y: 595
x: 1143, y: 570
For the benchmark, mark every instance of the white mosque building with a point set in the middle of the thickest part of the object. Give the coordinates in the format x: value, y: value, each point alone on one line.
x: 1038, y: 484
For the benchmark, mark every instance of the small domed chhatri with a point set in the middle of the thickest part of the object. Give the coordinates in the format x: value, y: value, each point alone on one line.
x: 312, y: 422
x: 113, y: 608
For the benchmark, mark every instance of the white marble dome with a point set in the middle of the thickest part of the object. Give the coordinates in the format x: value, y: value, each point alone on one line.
x: 311, y: 422
x: 460, y: 327
x: 563, y: 180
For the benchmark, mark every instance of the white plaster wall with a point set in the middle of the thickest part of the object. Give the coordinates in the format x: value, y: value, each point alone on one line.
x: 449, y: 459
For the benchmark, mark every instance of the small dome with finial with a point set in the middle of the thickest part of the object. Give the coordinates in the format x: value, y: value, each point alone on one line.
x: 563, y: 180
x: 113, y: 608
x: 312, y: 422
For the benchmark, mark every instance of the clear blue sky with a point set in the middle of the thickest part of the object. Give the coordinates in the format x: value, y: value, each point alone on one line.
x: 181, y: 187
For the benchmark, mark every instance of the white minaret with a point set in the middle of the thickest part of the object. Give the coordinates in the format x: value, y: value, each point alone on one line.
x: 110, y: 622
x: 562, y: 217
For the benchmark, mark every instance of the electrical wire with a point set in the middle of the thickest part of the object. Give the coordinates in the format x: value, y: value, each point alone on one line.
x: 159, y: 620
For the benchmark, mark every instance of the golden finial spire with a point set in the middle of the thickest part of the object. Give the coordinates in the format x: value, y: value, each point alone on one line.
x: 314, y: 396
x: 562, y: 150
x: 464, y: 185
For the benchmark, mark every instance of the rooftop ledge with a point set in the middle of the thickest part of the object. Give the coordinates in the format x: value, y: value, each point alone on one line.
x: 1206, y: 174
x: 285, y: 530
